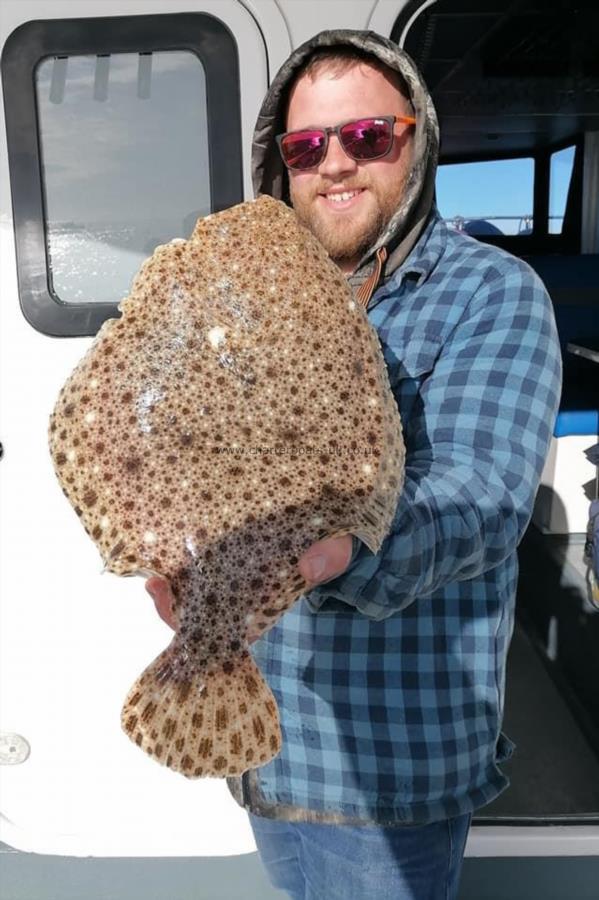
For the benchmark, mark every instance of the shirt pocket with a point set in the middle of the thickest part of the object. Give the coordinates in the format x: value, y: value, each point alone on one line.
x: 408, y: 367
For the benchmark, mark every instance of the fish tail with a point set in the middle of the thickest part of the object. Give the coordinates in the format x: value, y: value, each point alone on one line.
x: 217, y: 722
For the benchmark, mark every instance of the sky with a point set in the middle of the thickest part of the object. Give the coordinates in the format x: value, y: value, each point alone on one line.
x: 501, y: 188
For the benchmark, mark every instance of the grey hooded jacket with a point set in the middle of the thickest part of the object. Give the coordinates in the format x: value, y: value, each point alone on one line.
x: 269, y: 173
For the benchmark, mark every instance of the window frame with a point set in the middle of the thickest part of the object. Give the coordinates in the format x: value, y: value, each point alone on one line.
x: 539, y: 240
x: 31, y: 43
x: 568, y: 146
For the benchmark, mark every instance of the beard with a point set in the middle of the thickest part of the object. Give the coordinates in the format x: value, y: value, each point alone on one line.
x: 348, y: 237
x: 342, y: 240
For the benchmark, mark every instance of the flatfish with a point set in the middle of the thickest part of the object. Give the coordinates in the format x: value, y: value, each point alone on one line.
x: 238, y: 411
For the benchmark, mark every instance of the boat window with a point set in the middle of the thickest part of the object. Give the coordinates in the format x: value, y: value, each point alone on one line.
x: 561, y: 165
x: 487, y: 198
x: 120, y: 136
x: 124, y: 153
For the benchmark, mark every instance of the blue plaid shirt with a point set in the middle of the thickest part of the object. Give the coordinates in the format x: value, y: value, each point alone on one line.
x: 390, y: 678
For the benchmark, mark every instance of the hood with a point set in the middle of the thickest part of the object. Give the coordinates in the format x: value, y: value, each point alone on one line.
x: 270, y: 175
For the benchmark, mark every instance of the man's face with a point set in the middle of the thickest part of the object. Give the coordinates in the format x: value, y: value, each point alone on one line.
x: 348, y: 227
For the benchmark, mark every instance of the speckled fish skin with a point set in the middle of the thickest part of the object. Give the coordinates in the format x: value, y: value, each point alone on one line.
x: 237, y: 412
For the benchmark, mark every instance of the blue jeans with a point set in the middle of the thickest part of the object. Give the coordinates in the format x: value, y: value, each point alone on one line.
x: 344, y: 862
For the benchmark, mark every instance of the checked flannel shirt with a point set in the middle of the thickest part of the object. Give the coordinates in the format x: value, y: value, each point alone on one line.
x: 390, y: 678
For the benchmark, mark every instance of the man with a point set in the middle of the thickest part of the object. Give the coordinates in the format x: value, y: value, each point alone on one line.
x: 389, y: 675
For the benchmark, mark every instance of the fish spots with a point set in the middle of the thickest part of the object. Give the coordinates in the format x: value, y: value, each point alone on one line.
x: 210, y: 435
x: 168, y: 729
x: 131, y: 724
x: 132, y: 465
x: 205, y: 748
x: 251, y: 686
x: 89, y: 498
x: 258, y: 730
x: 183, y: 692
x: 148, y: 713
x: 221, y: 720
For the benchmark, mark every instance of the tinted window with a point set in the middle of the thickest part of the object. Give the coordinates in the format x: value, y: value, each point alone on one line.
x: 124, y: 152
x: 493, y: 197
x: 121, y: 133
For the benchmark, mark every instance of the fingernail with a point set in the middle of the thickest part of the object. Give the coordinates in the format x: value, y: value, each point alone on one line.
x: 317, y: 566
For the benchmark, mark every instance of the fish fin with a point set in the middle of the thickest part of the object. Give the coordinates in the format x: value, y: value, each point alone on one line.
x: 215, y: 722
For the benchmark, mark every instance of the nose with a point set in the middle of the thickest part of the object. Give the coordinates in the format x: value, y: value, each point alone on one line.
x: 336, y: 161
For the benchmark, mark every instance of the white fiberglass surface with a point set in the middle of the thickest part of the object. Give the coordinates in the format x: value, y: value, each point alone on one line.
x: 72, y: 640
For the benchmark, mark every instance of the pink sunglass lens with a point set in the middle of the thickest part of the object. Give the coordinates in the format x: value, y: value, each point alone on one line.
x: 303, y: 150
x: 367, y: 138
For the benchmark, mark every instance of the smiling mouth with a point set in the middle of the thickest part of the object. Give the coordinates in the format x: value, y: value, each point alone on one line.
x: 341, y: 198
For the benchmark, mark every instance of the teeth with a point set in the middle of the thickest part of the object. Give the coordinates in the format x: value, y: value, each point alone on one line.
x: 338, y: 198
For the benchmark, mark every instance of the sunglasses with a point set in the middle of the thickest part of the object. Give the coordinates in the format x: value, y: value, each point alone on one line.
x: 361, y: 139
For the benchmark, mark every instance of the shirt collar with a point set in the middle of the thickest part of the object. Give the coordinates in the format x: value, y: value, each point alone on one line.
x: 424, y: 257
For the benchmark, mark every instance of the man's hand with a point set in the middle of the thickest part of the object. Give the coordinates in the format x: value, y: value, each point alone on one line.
x: 326, y: 559
x: 323, y: 560
x: 160, y: 590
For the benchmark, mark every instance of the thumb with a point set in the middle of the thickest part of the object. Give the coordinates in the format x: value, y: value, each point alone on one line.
x: 326, y: 559
x: 160, y: 590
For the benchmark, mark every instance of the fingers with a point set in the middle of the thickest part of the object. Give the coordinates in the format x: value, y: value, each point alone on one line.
x: 322, y: 561
x: 253, y: 634
x: 160, y: 591
x: 326, y: 559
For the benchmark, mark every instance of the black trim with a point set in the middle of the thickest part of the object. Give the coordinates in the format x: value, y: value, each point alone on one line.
x: 404, y: 17
x: 540, y: 212
x: 572, y: 821
x: 25, y: 48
